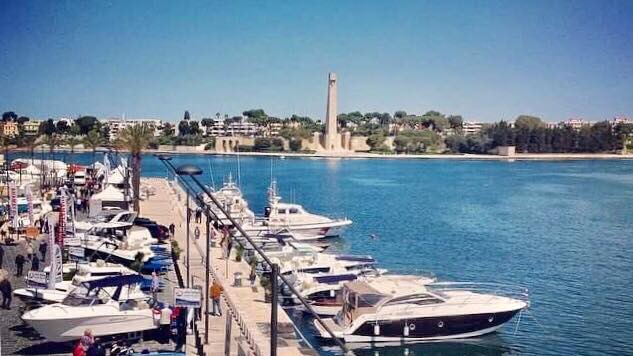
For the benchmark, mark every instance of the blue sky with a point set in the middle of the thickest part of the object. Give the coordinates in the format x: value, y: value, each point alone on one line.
x: 484, y: 60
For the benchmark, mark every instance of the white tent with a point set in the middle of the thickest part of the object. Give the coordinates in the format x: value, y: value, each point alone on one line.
x: 110, y: 197
x: 116, y: 177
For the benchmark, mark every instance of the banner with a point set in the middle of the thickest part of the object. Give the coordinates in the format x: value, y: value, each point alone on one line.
x: 29, y: 201
x: 13, y: 204
x: 51, y: 253
x: 61, y: 229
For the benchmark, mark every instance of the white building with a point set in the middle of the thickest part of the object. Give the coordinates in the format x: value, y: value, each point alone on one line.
x: 472, y: 127
x: 575, y: 124
x: 117, y: 125
x: 621, y: 120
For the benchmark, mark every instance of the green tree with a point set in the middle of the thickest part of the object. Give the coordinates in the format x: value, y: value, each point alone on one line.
x: 376, y: 142
x: 47, y: 127
x: 529, y: 122
x: 9, y: 116
x: 455, y: 121
x: 86, y: 124
x: 135, y: 140
x: 187, y: 116
x: 183, y: 128
x: 22, y: 119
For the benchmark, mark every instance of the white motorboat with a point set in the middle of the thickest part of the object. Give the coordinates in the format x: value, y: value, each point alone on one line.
x: 105, y: 216
x: 84, y: 272
x: 93, y: 307
x: 119, y: 240
x: 382, y: 310
x: 293, y: 217
x: 314, y: 263
x: 232, y: 201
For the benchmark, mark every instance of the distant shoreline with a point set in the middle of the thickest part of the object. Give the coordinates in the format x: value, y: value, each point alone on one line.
x: 363, y: 155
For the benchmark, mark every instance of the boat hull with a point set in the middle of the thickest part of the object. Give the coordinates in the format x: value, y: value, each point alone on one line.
x: 325, y: 229
x: 72, y: 327
x: 425, y: 328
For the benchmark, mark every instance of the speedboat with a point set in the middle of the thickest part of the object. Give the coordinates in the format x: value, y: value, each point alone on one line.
x: 100, y: 305
x: 105, y: 216
x: 232, y: 201
x: 84, y: 272
x: 316, y: 263
x: 382, y: 310
x: 293, y: 217
x: 119, y: 240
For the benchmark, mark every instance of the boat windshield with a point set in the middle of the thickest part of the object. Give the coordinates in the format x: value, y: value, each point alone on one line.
x: 81, y: 297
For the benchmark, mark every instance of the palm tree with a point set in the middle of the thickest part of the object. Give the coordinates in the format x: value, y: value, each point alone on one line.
x: 93, y: 140
x: 52, y: 141
x: 135, y: 140
x: 72, y: 142
x: 31, y: 143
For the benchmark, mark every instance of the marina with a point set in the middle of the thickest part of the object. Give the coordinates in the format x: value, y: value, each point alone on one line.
x: 328, y: 271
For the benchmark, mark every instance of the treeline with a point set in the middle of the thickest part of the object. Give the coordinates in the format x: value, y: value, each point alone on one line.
x: 531, y: 135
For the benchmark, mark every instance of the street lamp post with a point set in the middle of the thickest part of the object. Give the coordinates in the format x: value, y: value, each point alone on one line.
x: 192, y: 171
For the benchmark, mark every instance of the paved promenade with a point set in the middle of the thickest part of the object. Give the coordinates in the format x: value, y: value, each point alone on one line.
x: 249, y: 314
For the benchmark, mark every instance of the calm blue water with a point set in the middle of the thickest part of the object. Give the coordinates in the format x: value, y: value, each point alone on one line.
x: 562, y: 229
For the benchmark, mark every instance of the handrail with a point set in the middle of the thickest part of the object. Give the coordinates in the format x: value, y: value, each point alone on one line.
x: 261, y: 253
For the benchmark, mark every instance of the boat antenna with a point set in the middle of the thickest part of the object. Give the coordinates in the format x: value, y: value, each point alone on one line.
x: 211, y: 172
x: 239, y: 173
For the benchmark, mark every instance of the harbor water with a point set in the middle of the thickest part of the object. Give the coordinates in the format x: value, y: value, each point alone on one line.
x: 563, y: 229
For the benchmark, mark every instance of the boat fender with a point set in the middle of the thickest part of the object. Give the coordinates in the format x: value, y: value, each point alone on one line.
x: 405, y: 332
x: 332, y: 293
x: 440, y: 324
x: 376, y: 329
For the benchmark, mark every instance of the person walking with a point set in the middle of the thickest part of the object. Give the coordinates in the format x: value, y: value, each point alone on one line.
x: 1, y: 256
x: 29, y: 250
x: 7, y: 290
x: 215, y: 292
x: 19, y: 264
x: 155, y: 286
x: 253, y: 276
x: 198, y: 215
x: 172, y: 230
x: 43, y: 247
x: 35, y: 263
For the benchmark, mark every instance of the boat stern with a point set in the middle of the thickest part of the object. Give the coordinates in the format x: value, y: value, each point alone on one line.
x: 332, y: 325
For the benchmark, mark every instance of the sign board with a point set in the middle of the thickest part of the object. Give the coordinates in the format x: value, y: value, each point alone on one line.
x: 72, y: 241
x: 187, y: 297
x: 77, y: 252
x: 37, y: 279
x: 32, y: 232
x: 13, y: 204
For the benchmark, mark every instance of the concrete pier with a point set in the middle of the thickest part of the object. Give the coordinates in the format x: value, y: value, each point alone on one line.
x: 248, y: 315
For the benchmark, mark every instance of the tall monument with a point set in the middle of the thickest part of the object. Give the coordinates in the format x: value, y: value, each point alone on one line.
x: 332, y: 139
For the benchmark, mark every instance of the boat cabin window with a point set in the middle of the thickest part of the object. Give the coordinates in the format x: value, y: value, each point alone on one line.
x: 79, y: 297
x: 294, y: 211
x: 281, y: 211
x: 418, y: 299
x: 364, y: 300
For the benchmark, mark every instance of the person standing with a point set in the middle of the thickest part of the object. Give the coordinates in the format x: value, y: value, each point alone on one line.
x: 155, y: 286
x: 19, y: 264
x: 29, y: 250
x: 172, y: 230
x: 35, y: 263
x: 7, y: 291
x: 43, y: 248
x: 253, y: 276
x: 216, y: 291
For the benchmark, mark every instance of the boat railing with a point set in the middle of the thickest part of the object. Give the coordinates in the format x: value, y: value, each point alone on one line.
x: 494, y: 289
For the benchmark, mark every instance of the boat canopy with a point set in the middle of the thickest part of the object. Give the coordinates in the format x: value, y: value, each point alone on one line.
x: 115, y: 281
x: 335, y: 278
x: 353, y: 258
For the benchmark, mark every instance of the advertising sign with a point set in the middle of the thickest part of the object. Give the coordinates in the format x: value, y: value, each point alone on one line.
x: 77, y: 252
x: 37, y: 279
x: 72, y: 241
x: 61, y: 229
x: 187, y: 297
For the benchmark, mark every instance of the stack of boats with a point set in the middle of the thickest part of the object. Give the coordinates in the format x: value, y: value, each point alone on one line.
x: 363, y: 302
x: 105, y: 290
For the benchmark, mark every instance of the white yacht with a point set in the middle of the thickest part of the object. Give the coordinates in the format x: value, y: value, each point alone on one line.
x: 382, y: 310
x: 84, y: 272
x: 279, y: 216
x: 232, y: 201
x: 120, y: 240
x: 315, y: 263
x: 101, y: 305
x: 112, y: 216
